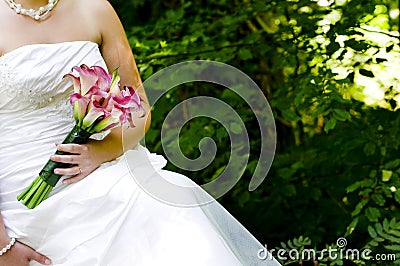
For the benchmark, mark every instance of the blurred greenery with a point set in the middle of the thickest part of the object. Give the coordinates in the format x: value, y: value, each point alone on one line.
x: 329, y: 69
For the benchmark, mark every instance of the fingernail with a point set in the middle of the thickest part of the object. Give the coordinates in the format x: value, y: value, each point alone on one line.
x: 56, y: 171
x: 47, y: 262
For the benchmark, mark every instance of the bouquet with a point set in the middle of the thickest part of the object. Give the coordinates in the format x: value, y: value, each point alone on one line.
x: 99, y: 105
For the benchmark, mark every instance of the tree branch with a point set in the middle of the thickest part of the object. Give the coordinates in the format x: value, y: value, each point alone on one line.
x: 236, y: 45
x: 381, y: 32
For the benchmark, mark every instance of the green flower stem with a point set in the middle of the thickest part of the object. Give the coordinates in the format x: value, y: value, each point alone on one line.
x: 78, y: 136
x: 41, y: 187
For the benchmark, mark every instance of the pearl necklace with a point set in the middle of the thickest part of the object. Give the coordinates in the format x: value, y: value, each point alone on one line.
x: 42, y: 12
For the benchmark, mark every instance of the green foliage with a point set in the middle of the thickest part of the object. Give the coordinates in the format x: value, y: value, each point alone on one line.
x: 385, y: 237
x: 330, y: 74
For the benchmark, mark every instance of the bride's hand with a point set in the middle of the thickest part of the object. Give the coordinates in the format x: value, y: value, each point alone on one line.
x: 20, y: 255
x: 84, y: 158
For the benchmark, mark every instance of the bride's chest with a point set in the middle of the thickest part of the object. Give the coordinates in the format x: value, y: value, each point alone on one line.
x: 30, y: 86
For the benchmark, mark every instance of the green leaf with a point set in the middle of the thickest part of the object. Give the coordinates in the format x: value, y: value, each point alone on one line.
x: 378, y: 228
x: 386, y: 175
x: 291, y: 245
x: 359, y: 207
x: 148, y: 72
x: 372, y: 232
x: 353, y: 187
x: 393, y: 247
x: 392, y: 222
x: 392, y: 164
x: 330, y: 125
x: 352, y: 226
x: 341, y: 115
x: 365, y: 192
x: 290, y: 115
x: 358, y: 184
x: 379, y: 199
x: 245, y: 54
x: 386, y: 225
x: 397, y: 196
x: 390, y: 238
x: 373, y: 243
x: 394, y: 232
x: 296, y: 242
x: 372, y: 214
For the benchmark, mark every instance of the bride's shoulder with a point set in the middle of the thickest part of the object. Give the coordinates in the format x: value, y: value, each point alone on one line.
x: 99, y: 9
x: 98, y: 14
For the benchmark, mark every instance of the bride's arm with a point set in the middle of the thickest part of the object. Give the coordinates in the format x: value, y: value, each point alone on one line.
x: 117, y: 53
x: 19, y: 254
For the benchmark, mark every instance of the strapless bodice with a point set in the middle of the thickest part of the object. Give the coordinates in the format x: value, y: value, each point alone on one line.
x: 31, y: 76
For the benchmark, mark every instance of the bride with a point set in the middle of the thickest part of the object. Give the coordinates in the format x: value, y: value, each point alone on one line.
x: 97, y: 215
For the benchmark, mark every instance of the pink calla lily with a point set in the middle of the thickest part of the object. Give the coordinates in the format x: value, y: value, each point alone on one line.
x: 88, y: 78
x: 134, y: 98
x: 104, y: 79
x: 128, y: 98
x: 99, y: 102
x: 114, y: 86
x: 80, y: 106
x: 76, y: 82
x: 98, y: 96
x: 93, y: 114
x: 111, y: 120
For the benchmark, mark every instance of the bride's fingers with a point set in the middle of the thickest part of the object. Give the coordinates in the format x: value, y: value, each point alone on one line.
x: 74, y: 179
x: 65, y: 158
x: 72, y: 148
x: 72, y: 171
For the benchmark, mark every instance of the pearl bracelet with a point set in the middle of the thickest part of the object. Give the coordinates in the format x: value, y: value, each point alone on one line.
x: 6, y: 248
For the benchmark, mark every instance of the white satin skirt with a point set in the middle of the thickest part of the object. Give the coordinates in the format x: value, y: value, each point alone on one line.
x: 108, y: 219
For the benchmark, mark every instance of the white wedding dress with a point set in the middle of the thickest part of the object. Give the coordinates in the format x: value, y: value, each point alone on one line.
x: 105, y: 219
